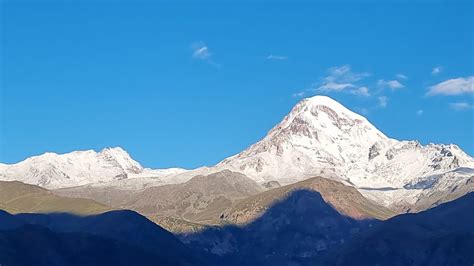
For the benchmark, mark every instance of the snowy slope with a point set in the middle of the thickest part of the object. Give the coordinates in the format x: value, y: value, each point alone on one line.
x: 77, y: 168
x: 320, y: 136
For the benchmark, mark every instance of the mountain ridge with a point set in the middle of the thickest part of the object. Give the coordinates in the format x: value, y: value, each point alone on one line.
x: 319, y: 137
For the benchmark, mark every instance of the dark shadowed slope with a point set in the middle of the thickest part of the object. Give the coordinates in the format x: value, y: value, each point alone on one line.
x: 37, y: 246
x: 443, y: 235
x: 102, y: 239
x: 293, y: 230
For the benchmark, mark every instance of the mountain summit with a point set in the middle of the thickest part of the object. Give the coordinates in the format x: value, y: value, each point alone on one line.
x: 322, y: 137
x: 318, y: 133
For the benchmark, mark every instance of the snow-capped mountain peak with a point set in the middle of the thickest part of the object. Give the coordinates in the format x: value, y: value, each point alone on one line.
x: 313, y: 104
x: 317, y: 134
x: 322, y: 117
x: 322, y: 137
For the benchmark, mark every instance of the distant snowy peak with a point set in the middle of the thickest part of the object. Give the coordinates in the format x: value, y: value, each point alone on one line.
x: 76, y: 168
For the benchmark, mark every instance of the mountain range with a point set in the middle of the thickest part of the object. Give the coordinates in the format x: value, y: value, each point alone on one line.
x: 319, y: 137
x: 323, y: 187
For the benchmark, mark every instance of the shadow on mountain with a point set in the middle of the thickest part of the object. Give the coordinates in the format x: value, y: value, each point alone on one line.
x: 112, y: 238
x: 300, y: 229
x: 293, y: 231
x: 443, y: 235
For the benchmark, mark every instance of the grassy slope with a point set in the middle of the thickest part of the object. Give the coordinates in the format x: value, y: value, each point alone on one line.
x: 17, y: 197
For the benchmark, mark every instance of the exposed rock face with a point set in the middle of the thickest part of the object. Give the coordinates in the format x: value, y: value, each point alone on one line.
x: 271, y: 184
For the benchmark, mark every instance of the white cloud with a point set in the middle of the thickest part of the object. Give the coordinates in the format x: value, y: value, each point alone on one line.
x: 201, y: 51
x: 333, y: 86
x: 419, y: 112
x: 277, y: 57
x: 401, y: 76
x: 339, y: 78
x: 383, y: 101
x: 436, y: 70
x: 392, y: 84
x: 361, y: 91
x: 344, y: 74
x: 453, y: 87
x: 460, y: 106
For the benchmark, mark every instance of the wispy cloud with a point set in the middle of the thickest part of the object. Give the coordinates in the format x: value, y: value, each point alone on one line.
x: 202, y: 52
x: 436, y: 70
x: 276, y: 57
x: 344, y: 74
x: 361, y: 91
x: 383, y: 100
x: 392, y: 84
x: 333, y: 86
x: 419, y: 112
x: 453, y: 87
x: 339, y: 78
x: 401, y: 76
x: 460, y: 106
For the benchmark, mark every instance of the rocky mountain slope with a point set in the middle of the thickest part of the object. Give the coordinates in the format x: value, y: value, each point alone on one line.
x: 345, y: 199
x: 225, y: 198
x: 202, y: 199
x: 187, y: 206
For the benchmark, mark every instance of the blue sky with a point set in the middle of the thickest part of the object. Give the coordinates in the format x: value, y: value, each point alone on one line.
x: 188, y: 85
